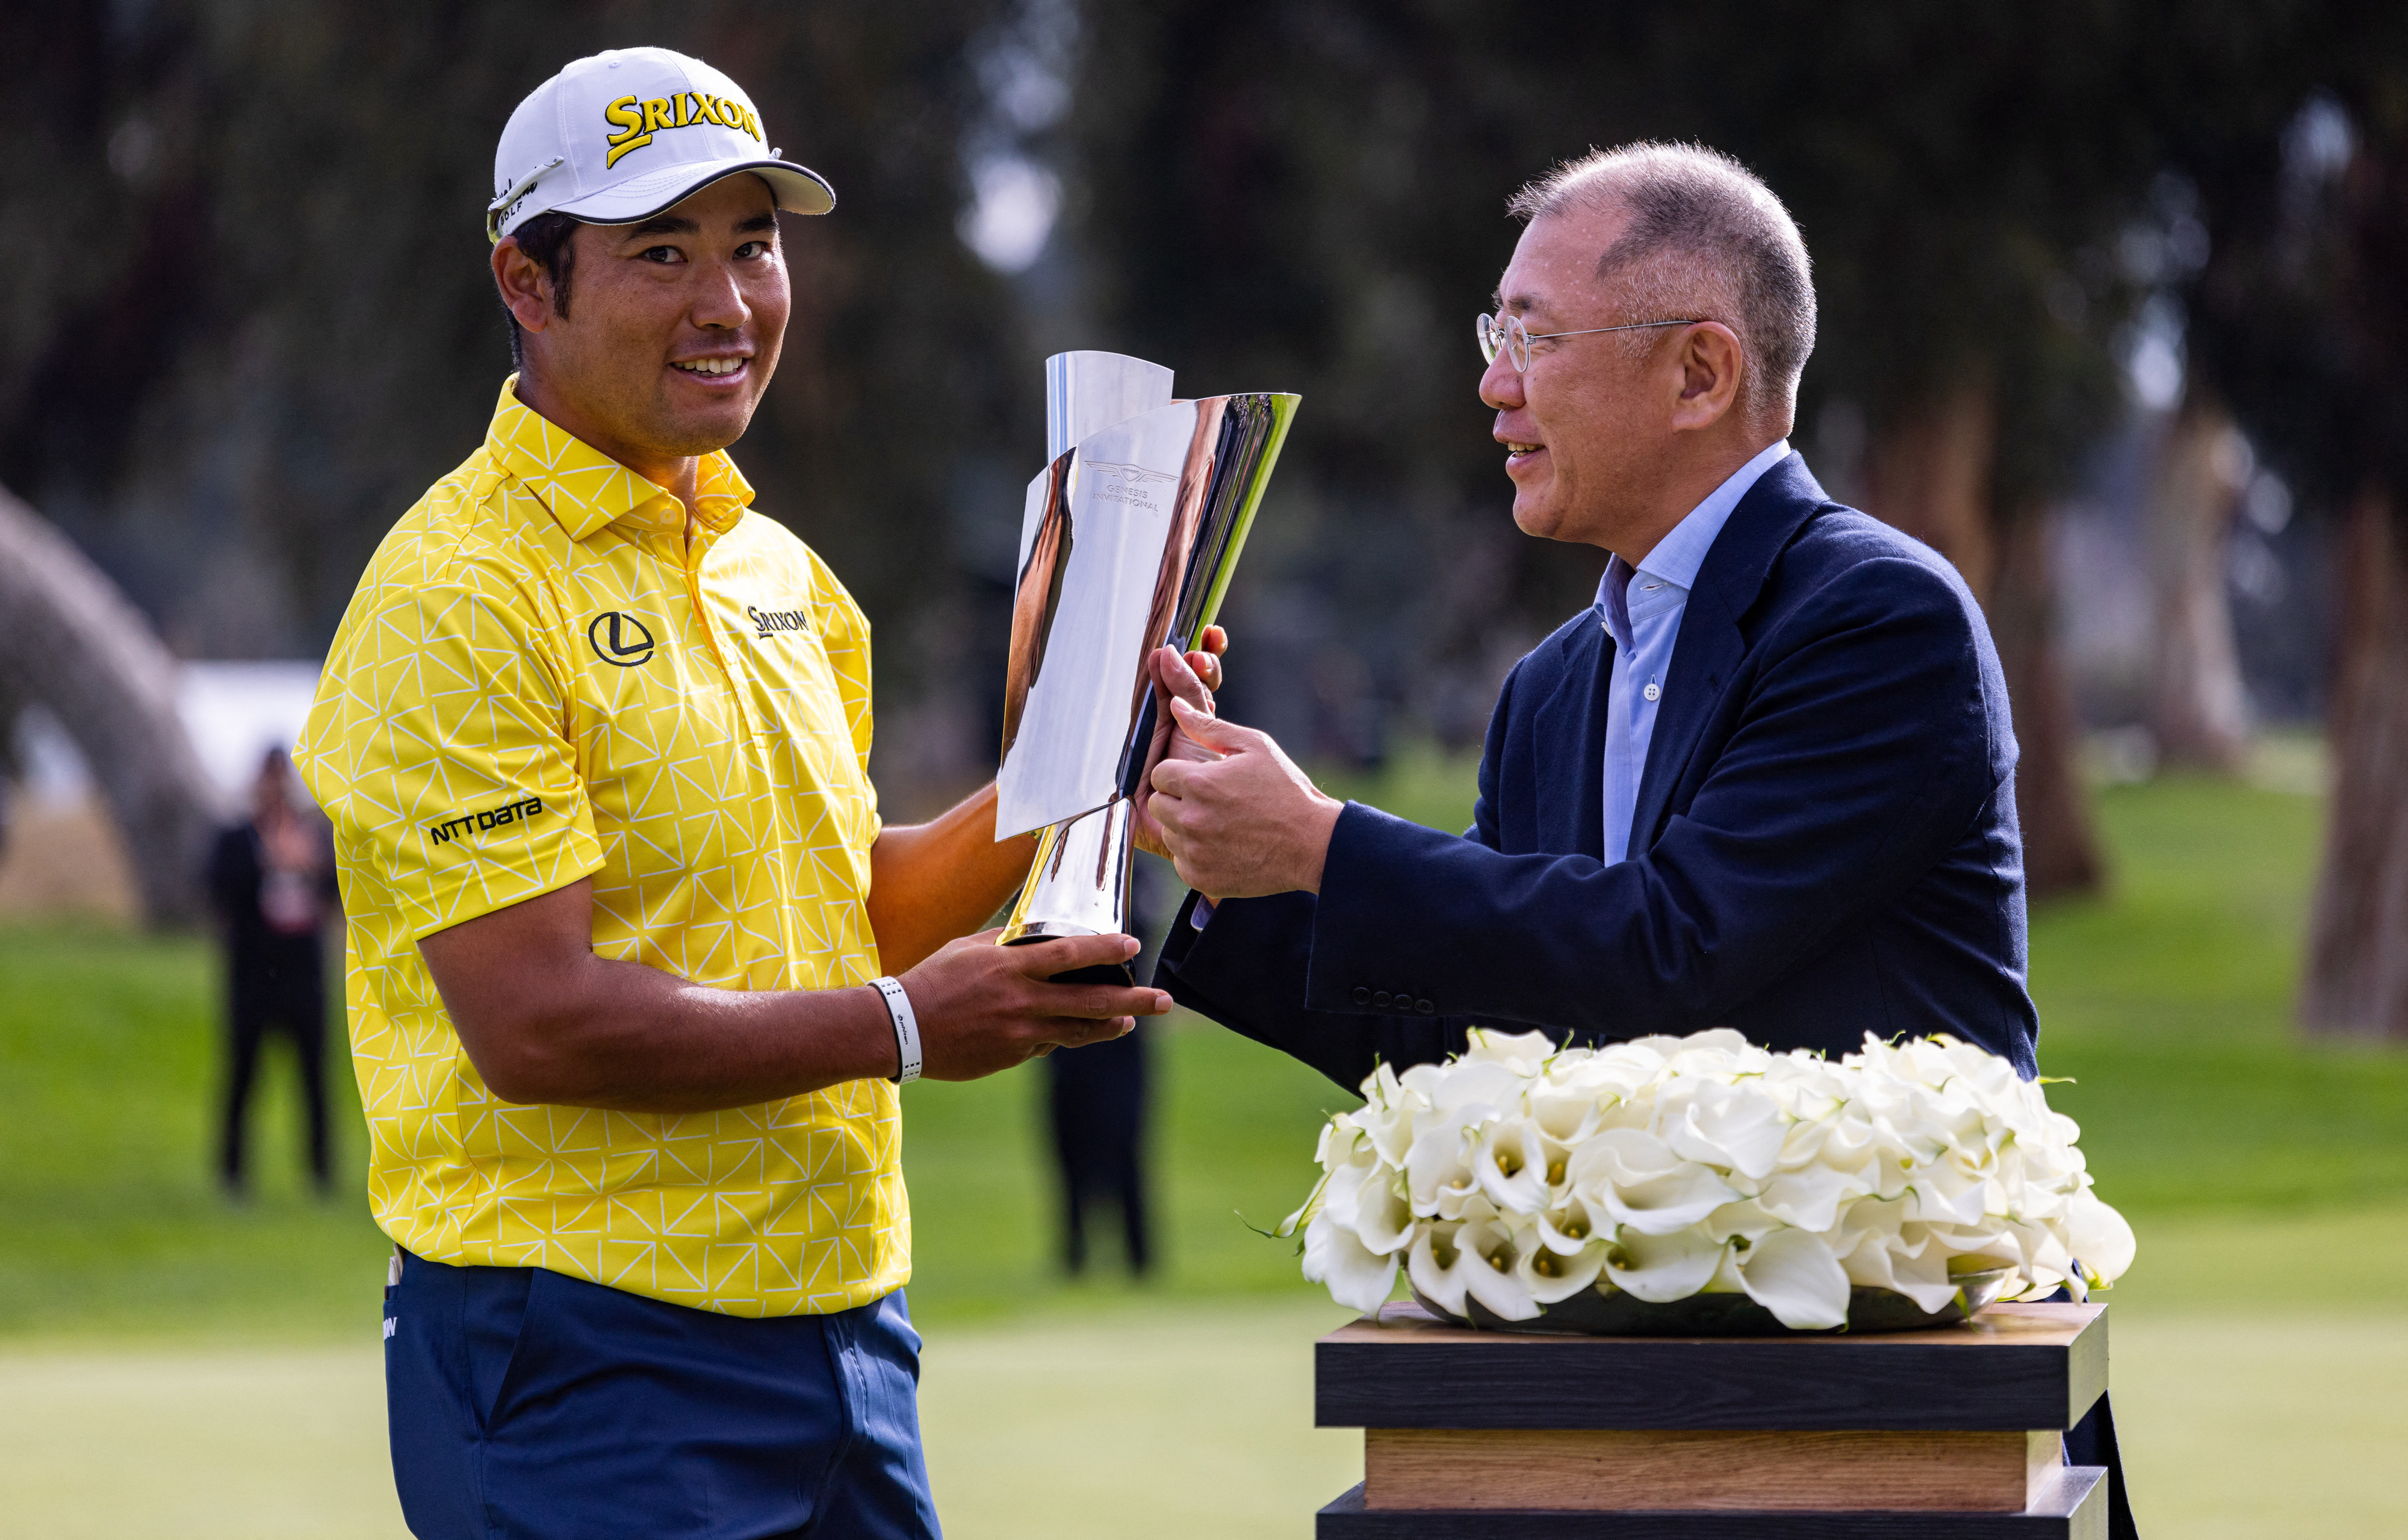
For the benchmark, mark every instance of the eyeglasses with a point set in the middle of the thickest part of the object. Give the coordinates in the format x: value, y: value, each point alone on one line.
x: 1507, y: 335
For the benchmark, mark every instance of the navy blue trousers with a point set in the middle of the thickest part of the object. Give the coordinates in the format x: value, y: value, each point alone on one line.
x: 530, y: 1405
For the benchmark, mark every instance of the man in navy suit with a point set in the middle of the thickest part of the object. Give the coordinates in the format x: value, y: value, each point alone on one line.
x: 1765, y: 783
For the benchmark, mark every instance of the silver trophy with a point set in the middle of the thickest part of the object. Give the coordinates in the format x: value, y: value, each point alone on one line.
x: 1126, y: 542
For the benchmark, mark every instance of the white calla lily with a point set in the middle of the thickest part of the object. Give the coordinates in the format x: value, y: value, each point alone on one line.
x: 1714, y: 1051
x: 1383, y: 1215
x: 1792, y: 1273
x: 1633, y: 1177
x: 1491, y: 1252
x: 1437, y: 1267
x: 1386, y: 1117
x: 1943, y: 1195
x: 1810, y: 1197
x: 2099, y: 1237
x: 1567, y: 1115
x: 1338, y: 1193
x: 1437, y: 1164
x: 1734, y: 1125
x: 1521, y: 1052
x: 1661, y: 1267
x: 1510, y: 1164
x: 1550, y: 1276
x: 1356, y: 1276
x: 1568, y: 1227
x: 1744, y: 1221
x: 1902, y: 1262
x: 1479, y: 1083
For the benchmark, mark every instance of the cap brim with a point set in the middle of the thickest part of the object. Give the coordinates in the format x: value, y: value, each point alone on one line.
x: 797, y: 189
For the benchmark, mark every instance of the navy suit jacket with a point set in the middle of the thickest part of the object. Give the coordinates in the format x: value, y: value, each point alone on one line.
x: 1823, y: 843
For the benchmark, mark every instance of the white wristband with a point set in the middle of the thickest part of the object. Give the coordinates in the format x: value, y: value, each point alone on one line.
x: 907, y: 1030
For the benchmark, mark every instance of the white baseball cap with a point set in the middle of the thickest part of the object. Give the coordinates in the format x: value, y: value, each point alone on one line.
x: 619, y: 136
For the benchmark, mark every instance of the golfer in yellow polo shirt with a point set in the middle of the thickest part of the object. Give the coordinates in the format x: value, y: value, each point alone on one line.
x: 635, y: 973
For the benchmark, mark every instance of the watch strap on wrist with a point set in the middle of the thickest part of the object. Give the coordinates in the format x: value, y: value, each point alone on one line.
x: 907, y: 1030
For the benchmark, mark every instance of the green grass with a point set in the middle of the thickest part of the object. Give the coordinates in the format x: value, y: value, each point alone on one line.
x: 109, y: 1225
x: 1235, y: 1126
x: 2241, y: 1424
x: 2169, y: 998
x: 1418, y: 782
x: 2256, y: 1341
x: 109, y: 1220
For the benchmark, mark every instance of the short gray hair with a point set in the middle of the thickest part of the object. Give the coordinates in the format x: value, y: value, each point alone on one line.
x: 1708, y: 238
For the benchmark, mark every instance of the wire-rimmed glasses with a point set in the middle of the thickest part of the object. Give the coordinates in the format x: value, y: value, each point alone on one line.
x: 1507, y: 334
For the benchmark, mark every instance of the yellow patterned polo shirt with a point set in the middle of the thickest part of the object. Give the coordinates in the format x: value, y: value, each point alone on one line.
x: 534, y: 683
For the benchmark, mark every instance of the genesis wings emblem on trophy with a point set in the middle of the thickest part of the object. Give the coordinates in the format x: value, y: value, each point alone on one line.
x: 1126, y: 543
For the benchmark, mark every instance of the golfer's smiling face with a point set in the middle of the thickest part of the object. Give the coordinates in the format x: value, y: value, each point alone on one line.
x: 673, y: 325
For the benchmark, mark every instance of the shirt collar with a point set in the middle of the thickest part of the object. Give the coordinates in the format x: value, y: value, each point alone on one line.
x: 585, y: 490
x: 1682, y: 551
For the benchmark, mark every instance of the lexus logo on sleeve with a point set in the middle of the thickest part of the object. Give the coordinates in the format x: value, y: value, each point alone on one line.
x: 618, y: 638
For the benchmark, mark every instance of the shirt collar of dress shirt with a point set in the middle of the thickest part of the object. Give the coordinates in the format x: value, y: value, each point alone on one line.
x: 1682, y: 551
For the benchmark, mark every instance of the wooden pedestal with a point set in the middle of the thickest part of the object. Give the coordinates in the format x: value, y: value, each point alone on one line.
x: 1951, y: 1432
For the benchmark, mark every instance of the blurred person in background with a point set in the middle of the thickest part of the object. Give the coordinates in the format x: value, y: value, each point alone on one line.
x: 1099, y: 1100
x: 636, y: 974
x: 271, y: 880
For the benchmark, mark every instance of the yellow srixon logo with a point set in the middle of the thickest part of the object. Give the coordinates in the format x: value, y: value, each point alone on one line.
x: 635, y: 120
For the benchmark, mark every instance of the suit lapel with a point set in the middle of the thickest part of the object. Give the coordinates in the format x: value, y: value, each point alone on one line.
x: 1711, y: 646
x: 1703, y: 661
x: 1572, y: 805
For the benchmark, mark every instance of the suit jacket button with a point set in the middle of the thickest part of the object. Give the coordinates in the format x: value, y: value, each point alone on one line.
x: 1425, y: 1007
x: 1381, y: 999
x: 1362, y: 996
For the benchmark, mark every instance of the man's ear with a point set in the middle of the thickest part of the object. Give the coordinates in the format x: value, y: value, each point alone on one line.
x: 526, y: 292
x: 1711, y: 361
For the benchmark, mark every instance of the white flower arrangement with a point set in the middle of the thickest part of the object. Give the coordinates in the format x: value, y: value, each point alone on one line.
x: 1519, y: 1174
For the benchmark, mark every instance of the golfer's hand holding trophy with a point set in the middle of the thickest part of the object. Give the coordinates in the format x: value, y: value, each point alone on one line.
x: 1126, y: 543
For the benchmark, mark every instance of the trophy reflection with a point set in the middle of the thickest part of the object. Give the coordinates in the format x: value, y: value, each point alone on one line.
x: 1126, y: 542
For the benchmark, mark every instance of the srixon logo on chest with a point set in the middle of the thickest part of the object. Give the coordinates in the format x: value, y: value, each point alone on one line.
x: 768, y: 622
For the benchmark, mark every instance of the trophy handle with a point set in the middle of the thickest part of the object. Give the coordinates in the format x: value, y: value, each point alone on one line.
x: 1079, y: 886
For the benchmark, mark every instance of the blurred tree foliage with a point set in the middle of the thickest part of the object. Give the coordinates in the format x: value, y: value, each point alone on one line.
x: 2300, y: 322
x: 252, y: 321
x: 251, y: 318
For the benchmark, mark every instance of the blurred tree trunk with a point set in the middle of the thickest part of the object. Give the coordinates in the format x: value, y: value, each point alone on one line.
x: 2195, y: 709
x: 12, y: 705
x: 1929, y: 475
x: 69, y: 641
x: 2357, y: 983
x: 2052, y: 804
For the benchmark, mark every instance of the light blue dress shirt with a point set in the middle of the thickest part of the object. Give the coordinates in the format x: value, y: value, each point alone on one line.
x: 1642, y: 612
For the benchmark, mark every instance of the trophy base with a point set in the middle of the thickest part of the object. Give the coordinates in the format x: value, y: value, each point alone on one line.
x: 1078, y: 886
x: 1117, y: 973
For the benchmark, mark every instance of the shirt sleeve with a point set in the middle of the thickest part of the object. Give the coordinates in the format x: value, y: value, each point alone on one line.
x: 437, y: 745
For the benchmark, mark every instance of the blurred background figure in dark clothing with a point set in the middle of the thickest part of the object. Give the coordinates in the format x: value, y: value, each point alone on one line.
x: 1096, y: 1102
x: 1099, y: 1103
x: 271, y: 880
